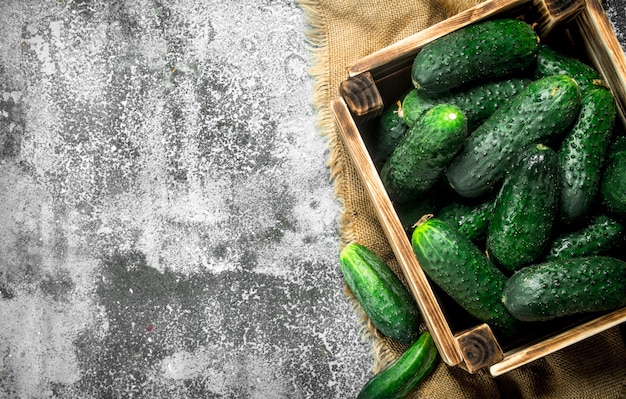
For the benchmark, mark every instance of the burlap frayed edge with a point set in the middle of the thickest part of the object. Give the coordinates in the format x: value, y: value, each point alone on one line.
x: 383, y: 349
x: 319, y: 70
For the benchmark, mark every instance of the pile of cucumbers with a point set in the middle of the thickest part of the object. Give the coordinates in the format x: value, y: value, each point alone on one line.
x: 508, y: 171
x: 512, y: 151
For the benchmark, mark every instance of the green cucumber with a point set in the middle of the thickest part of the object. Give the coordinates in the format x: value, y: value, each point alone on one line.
x: 470, y: 218
x: 389, y: 130
x: 582, y: 153
x: 462, y: 270
x: 423, y: 153
x: 525, y: 210
x: 414, y: 105
x: 613, y: 185
x: 543, y: 111
x: 484, y: 50
x: 477, y: 102
x: 400, y: 378
x: 599, y: 237
x: 381, y: 294
x: 565, y: 287
x: 551, y: 62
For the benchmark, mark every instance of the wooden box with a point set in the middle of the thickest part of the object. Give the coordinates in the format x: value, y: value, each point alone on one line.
x: 381, y: 78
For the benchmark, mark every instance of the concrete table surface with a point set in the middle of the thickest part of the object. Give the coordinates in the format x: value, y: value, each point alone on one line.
x: 167, y: 221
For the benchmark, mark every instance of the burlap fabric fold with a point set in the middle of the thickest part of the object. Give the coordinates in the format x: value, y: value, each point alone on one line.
x: 341, y: 31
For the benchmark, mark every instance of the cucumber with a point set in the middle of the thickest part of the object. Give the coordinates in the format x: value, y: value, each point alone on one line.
x: 582, y: 154
x: 551, y: 62
x: 565, y: 287
x: 470, y: 218
x: 389, y: 130
x: 484, y: 50
x: 613, y: 185
x: 381, y: 294
x: 543, y: 111
x: 462, y: 270
x: 525, y: 210
x: 399, y: 378
x: 599, y: 237
x: 477, y: 102
x: 423, y: 153
x: 415, y: 104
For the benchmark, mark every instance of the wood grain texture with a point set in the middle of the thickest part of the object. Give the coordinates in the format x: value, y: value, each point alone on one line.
x: 551, y: 13
x: 479, y: 347
x: 362, y: 95
x: 526, y: 354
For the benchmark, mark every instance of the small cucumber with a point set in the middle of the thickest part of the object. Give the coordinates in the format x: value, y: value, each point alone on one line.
x: 582, y: 154
x: 551, y: 62
x: 477, y: 102
x: 541, y: 112
x: 564, y: 287
x: 381, y: 294
x: 423, y: 153
x: 484, y: 50
x: 462, y: 270
x: 613, y: 185
x: 599, y: 237
x: 389, y: 130
x: 400, y: 378
x: 525, y: 210
x: 471, y: 218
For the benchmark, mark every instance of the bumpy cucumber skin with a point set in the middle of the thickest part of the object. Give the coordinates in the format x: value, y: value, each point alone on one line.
x: 463, y: 271
x: 613, y: 185
x: 477, y: 101
x: 381, y: 294
x: 470, y: 219
x: 599, y: 237
x: 423, y: 153
x: 390, y: 129
x: 545, y: 109
x: 582, y: 154
x: 525, y: 210
x: 551, y: 62
x: 415, y: 104
x: 564, y: 287
x: 483, y: 50
x: 397, y: 380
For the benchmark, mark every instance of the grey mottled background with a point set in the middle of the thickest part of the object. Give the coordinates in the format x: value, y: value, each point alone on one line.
x: 167, y: 222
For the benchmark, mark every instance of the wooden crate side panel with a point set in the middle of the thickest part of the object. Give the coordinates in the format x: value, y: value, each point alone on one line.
x: 551, y: 13
x: 526, y: 354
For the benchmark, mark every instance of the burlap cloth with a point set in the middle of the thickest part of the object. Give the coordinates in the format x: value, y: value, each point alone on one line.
x: 342, y: 31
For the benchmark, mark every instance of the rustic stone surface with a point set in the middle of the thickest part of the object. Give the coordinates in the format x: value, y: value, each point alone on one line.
x: 167, y: 221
